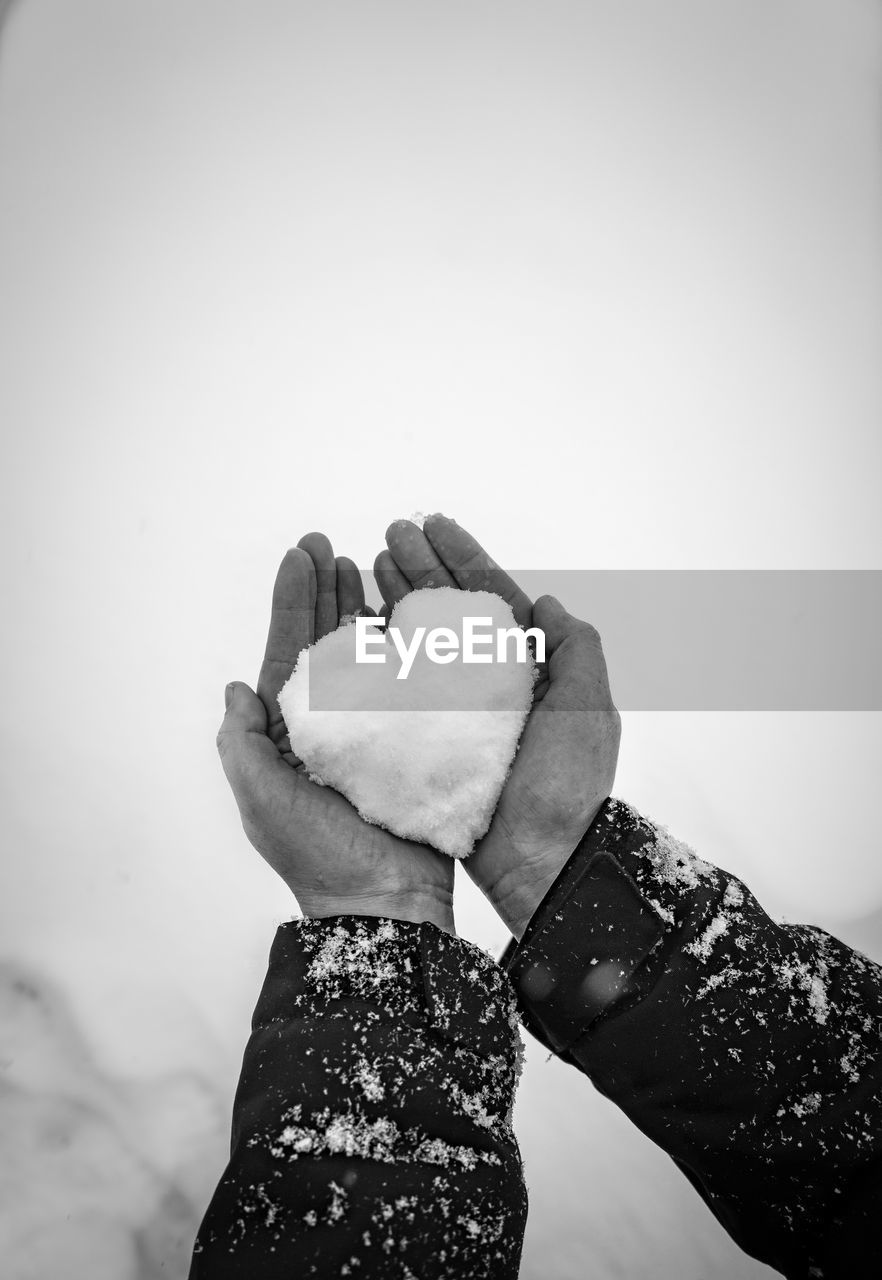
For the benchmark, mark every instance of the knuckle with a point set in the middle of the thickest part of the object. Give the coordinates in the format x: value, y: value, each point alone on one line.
x: 425, y: 577
x: 589, y: 633
x: 223, y: 742
x: 230, y: 758
x: 587, y: 637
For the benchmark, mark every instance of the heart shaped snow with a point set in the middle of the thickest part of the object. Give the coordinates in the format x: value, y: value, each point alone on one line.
x: 425, y: 755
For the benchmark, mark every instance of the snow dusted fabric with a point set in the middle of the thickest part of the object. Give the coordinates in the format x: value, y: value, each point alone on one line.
x: 372, y: 1123
x: 750, y: 1051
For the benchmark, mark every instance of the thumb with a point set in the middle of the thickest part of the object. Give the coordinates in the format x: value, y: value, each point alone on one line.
x: 242, y: 743
x: 552, y: 617
x: 574, y: 652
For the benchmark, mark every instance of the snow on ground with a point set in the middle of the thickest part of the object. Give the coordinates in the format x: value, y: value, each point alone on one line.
x: 100, y: 1178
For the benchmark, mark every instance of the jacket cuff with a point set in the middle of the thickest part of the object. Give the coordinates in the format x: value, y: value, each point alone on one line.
x: 597, y: 938
x: 446, y: 984
x: 412, y: 981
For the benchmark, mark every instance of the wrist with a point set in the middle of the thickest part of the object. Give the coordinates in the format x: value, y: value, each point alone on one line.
x: 516, y: 896
x: 518, y: 879
x: 434, y: 908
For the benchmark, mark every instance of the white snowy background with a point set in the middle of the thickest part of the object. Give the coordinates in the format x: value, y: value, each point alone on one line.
x: 602, y: 281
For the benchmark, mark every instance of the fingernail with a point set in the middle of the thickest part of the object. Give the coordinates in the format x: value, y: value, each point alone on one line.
x: 228, y: 695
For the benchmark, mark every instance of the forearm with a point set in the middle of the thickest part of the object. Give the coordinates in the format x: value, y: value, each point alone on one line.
x: 371, y: 1125
x: 746, y: 1049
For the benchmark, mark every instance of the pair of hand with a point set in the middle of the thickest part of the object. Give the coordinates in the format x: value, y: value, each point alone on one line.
x: 333, y: 861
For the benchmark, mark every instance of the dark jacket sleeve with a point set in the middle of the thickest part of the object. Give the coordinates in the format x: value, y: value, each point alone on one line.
x: 750, y: 1051
x: 372, y: 1122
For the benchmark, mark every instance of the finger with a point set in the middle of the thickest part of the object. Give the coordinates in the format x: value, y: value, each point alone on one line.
x: 319, y: 548
x: 291, y: 629
x: 574, y: 654
x: 350, y: 588
x: 552, y: 617
x: 416, y: 557
x: 391, y: 581
x: 472, y: 568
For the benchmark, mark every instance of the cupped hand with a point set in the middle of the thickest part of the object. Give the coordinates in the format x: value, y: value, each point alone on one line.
x: 566, y: 761
x: 333, y: 861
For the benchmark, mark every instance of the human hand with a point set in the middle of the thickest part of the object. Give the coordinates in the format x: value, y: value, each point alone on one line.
x: 333, y: 861
x: 566, y: 761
